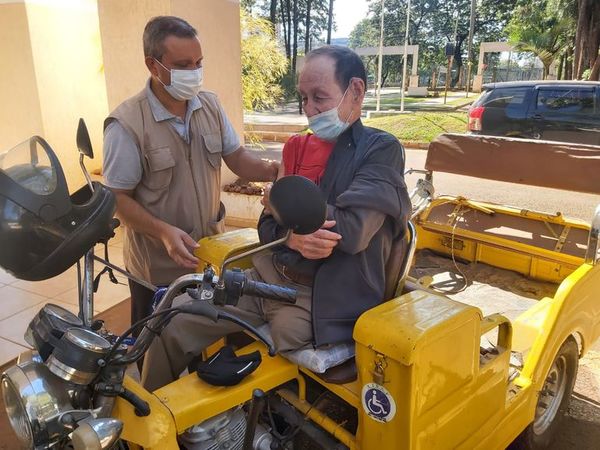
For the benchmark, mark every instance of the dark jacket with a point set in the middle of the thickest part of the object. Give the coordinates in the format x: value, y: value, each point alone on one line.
x: 367, y: 197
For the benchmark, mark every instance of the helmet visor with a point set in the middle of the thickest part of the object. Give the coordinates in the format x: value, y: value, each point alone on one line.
x: 29, y: 165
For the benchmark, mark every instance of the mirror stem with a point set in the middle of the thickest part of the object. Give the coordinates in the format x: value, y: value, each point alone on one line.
x: 85, y: 172
x: 251, y: 252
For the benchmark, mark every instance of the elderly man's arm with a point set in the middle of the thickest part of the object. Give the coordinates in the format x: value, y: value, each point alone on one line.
x: 377, y: 191
x: 248, y: 166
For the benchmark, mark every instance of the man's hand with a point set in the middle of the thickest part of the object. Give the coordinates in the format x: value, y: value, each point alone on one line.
x: 317, y: 245
x: 247, y: 165
x: 267, y: 189
x: 177, y: 243
x: 265, y: 198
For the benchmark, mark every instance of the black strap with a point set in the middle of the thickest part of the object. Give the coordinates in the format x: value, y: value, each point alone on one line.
x: 111, y: 275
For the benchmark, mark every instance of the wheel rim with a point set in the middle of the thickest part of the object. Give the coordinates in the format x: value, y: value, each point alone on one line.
x: 551, y: 396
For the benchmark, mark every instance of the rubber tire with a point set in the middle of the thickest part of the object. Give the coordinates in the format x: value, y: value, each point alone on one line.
x: 528, y: 439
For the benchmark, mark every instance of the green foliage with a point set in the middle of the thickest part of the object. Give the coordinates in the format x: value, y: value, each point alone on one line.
x: 263, y: 64
x: 543, y: 28
x: 432, y: 25
x: 420, y: 127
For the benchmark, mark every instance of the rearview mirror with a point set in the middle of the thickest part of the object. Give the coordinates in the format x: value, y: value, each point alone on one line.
x: 297, y: 204
x: 83, y: 140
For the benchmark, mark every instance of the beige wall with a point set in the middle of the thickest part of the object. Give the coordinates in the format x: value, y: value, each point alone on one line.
x: 218, y: 25
x: 20, y: 115
x: 65, y: 40
x: 121, y: 27
x: 65, y: 59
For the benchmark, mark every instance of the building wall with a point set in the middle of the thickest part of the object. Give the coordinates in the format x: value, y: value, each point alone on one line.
x: 66, y: 59
x: 20, y: 115
x: 121, y: 29
x: 67, y: 55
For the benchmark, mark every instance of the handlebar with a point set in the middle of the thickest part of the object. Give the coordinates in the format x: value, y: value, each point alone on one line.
x: 271, y: 291
x: 236, y: 284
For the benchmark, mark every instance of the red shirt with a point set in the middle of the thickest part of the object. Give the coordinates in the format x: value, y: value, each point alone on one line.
x: 306, y: 155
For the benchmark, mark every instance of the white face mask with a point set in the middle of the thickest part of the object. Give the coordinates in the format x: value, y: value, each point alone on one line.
x: 185, y: 84
x: 328, y: 125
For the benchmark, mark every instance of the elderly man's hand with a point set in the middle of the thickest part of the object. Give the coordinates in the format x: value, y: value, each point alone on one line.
x: 317, y: 245
x: 177, y: 243
x: 265, y: 198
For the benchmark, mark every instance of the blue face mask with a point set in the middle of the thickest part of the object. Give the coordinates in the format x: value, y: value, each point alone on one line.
x: 328, y: 125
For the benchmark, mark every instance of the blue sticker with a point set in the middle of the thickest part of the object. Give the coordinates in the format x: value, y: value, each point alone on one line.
x: 378, y: 403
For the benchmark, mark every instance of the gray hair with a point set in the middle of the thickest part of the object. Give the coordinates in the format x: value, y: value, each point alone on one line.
x: 161, y: 27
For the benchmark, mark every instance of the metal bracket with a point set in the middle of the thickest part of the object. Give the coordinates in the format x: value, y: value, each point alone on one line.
x: 562, y: 239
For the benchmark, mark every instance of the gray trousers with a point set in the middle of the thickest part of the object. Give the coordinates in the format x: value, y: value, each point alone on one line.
x: 186, y: 336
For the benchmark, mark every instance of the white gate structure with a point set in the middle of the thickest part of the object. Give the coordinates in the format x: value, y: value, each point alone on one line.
x: 413, y: 83
x: 497, y: 47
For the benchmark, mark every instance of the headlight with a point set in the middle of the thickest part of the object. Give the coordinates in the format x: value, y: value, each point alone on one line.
x: 34, y: 399
x: 15, y: 410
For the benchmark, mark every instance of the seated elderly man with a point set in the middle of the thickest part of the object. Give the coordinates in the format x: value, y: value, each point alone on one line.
x: 339, y: 270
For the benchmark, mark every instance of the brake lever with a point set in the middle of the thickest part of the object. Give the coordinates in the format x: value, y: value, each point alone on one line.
x: 204, y: 308
x: 231, y: 318
x: 200, y: 308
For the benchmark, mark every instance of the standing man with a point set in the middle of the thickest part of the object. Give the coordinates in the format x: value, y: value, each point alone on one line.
x: 162, y: 158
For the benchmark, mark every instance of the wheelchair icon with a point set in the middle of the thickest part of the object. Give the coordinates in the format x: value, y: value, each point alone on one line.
x: 375, y: 405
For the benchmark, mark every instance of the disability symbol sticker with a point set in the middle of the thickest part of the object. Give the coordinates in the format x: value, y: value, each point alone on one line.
x: 378, y: 403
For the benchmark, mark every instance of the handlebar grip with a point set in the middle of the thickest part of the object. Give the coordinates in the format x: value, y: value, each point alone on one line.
x: 271, y: 291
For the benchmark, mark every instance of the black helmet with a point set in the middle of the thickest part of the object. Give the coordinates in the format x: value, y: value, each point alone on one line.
x: 43, y: 229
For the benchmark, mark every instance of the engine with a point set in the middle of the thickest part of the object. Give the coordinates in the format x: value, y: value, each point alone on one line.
x: 225, y: 431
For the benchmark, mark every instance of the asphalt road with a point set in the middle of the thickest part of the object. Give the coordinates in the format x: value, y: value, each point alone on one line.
x: 570, y: 204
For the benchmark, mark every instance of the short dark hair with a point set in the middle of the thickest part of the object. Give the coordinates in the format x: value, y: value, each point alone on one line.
x: 348, y: 64
x: 161, y: 27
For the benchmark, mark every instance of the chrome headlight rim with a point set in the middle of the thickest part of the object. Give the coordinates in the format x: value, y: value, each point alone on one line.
x: 24, y: 434
x: 42, y: 397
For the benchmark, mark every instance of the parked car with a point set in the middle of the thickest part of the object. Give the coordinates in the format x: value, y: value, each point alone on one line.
x: 567, y: 111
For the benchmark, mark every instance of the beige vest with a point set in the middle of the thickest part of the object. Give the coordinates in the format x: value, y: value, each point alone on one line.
x: 180, y: 182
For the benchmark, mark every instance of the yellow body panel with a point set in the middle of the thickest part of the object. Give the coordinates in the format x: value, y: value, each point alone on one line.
x: 502, y: 252
x: 190, y: 400
x: 428, y: 347
x: 216, y: 249
x: 156, y: 431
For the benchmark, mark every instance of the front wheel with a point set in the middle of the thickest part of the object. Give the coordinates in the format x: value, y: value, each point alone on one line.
x: 553, y: 399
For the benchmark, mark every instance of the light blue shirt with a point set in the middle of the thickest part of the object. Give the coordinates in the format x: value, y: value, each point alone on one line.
x: 122, y: 168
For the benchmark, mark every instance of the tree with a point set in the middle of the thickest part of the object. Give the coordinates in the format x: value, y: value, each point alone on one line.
x: 587, y: 39
x: 537, y: 29
x: 432, y: 25
x: 263, y: 63
x: 329, y: 21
